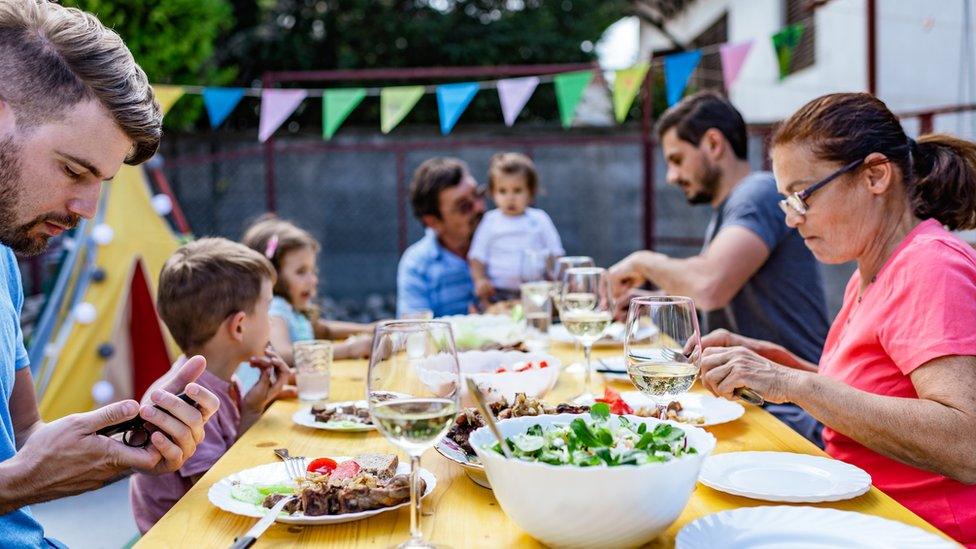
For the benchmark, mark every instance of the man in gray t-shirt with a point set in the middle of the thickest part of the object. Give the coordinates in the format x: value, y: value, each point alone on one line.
x: 754, y: 276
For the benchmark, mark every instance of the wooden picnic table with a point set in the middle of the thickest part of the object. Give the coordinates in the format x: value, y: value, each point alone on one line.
x: 464, y: 514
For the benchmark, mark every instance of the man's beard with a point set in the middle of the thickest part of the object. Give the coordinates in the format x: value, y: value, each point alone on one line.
x: 709, y: 185
x: 19, y: 237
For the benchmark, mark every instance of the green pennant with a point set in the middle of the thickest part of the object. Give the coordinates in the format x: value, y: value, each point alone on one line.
x: 625, y: 86
x: 395, y: 103
x: 785, y: 42
x: 336, y: 106
x: 569, y: 90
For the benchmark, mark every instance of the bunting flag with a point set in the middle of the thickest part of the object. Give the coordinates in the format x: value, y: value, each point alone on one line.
x: 276, y: 107
x: 569, y: 90
x: 452, y: 99
x: 220, y: 102
x: 785, y: 42
x: 733, y: 56
x: 514, y: 93
x: 167, y: 95
x: 625, y: 86
x: 396, y: 103
x: 677, y: 72
x: 336, y: 106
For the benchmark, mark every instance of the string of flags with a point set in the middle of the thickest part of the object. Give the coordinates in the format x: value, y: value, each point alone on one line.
x: 396, y: 102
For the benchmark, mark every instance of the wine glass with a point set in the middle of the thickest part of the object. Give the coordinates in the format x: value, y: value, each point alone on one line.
x: 587, y: 310
x: 413, y: 389
x: 559, y: 268
x: 662, y: 346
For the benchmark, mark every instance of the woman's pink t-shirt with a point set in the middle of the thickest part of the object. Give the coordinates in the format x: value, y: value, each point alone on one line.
x: 921, y: 306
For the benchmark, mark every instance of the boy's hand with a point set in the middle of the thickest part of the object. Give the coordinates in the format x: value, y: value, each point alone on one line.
x: 266, y: 391
x: 359, y: 346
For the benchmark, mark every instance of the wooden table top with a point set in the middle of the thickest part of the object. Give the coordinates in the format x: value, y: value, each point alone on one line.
x: 464, y: 514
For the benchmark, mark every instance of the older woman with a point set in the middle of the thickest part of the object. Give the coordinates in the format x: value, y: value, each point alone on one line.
x: 896, y: 387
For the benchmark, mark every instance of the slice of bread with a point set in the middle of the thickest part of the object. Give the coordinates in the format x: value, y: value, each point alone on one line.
x: 383, y: 466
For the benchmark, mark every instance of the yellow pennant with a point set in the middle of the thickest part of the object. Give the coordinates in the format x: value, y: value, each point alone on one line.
x: 167, y: 95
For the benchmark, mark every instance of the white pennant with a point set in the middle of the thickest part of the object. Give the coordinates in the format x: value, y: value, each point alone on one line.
x: 514, y: 93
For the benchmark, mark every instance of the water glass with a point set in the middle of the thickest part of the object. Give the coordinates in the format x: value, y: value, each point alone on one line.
x: 313, y: 360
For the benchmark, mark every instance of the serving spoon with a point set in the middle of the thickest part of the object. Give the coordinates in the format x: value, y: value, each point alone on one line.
x: 489, y: 418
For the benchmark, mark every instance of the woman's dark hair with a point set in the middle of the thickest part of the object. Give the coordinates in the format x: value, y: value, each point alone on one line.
x: 698, y: 113
x: 939, y: 170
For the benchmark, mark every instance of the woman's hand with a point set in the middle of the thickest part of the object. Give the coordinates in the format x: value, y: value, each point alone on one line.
x: 725, y: 369
x: 765, y: 349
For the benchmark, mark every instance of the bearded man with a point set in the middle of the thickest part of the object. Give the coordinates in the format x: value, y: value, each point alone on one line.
x: 754, y: 276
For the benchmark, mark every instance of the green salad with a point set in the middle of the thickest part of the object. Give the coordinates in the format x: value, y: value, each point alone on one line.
x: 600, y: 441
x: 255, y: 493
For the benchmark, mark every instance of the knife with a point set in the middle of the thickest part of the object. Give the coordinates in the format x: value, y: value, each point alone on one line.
x: 267, y: 520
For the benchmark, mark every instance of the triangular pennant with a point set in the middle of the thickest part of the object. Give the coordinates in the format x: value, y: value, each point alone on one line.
x: 785, y: 42
x: 514, y: 93
x: 220, y: 102
x: 276, y: 107
x: 733, y: 56
x: 167, y: 95
x: 452, y: 99
x: 626, y: 82
x: 677, y: 72
x: 336, y: 106
x: 395, y: 103
x: 569, y: 90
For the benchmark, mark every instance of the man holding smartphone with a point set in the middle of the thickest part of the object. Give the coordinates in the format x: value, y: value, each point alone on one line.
x: 74, y: 106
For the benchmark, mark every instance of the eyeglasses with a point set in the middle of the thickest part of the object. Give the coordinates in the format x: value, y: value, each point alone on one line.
x: 467, y: 205
x: 796, y: 203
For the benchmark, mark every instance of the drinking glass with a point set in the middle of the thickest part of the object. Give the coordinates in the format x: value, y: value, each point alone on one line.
x: 413, y: 389
x: 537, y: 309
x: 559, y: 268
x: 534, y: 265
x: 662, y: 346
x: 587, y: 310
x: 313, y: 359
x: 420, y: 314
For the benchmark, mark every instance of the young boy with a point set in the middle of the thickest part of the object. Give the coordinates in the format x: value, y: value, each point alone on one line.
x: 495, y: 257
x: 214, y: 296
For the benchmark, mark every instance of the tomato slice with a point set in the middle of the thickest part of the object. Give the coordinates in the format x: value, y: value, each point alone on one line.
x: 322, y: 466
x: 523, y: 367
x: 543, y: 364
x: 617, y: 404
x: 346, y: 469
x: 500, y: 370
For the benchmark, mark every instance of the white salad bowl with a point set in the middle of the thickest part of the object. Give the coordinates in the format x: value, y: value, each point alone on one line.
x: 481, y: 366
x: 571, y: 506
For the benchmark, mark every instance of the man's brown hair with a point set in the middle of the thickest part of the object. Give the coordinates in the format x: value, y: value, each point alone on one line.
x: 205, y: 282
x: 432, y: 177
x: 513, y: 163
x: 53, y: 57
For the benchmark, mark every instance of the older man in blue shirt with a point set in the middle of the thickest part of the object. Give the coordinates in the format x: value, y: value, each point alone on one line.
x: 433, y: 273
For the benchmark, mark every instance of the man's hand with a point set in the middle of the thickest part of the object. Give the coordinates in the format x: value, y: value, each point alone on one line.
x: 627, y: 274
x: 67, y: 457
x: 623, y: 303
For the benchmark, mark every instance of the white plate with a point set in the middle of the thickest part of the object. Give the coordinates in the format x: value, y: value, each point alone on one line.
x: 472, y: 331
x: 274, y: 473
x: 784, y: 476
x: 785, y: 527
x: 305, y: 418
x: 715, y: 410
x: 613, y: 337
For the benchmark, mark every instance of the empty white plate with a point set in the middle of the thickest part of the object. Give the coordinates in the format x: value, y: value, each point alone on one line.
x: 784, y: 527
x: 784, y: 476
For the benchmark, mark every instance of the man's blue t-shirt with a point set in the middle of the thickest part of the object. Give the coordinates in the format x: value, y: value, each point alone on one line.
x: 429, y: 277
x: 17, y: 528
x: 784, y: 301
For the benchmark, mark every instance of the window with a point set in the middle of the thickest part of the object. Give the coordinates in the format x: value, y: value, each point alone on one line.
x: 708, y: 74
x: 802, y: 11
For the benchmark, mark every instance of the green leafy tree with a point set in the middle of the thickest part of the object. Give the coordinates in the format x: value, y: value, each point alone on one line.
x: 173, y: 41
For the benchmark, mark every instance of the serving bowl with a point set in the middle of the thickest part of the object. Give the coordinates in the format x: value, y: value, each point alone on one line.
x: 481, y: 366
x: 570, y: 506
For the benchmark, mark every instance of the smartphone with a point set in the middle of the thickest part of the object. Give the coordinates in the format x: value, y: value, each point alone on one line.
x: 135, y: 433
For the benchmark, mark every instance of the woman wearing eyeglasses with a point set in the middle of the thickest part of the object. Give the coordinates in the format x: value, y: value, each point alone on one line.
x: 896, y: 384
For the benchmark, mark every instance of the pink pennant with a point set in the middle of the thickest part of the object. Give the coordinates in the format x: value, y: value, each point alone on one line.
x: 514, y: 93
x: 276, y: 107
x: 733, y: 56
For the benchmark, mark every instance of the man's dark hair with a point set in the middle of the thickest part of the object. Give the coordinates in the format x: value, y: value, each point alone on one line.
x: 432, y: 177
x: 696, y: 114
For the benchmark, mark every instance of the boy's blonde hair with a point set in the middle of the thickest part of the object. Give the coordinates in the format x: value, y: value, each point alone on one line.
x: 53, y: 57
x: 205, y: 282
x: 513, y: 163
x: 287, y: 237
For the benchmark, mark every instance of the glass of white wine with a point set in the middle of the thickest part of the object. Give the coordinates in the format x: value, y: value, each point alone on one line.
x: 413, y: 389
x: 587, y: 310
x: 558, y: 273
x: 662, y: 346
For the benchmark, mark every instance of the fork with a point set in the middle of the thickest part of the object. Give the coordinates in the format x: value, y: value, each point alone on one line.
x: 295, y: 466
x: 744, y: 393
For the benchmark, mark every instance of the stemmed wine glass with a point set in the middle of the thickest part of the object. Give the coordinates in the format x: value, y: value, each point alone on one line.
x: 587, y: 310
x: 413, y: 389
x: 662, y: 346
x: 558, y: 272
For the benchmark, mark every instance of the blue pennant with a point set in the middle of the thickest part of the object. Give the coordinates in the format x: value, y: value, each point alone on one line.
x: 452, y: 99
x: 220, y: 102
x: 677, y: 71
